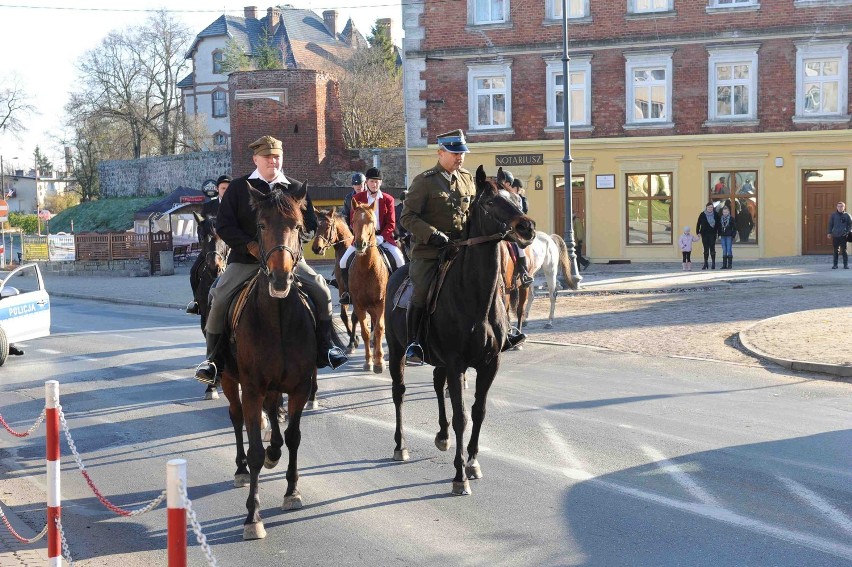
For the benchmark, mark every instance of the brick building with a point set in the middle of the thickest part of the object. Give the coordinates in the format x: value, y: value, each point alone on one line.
x: 743, y: 103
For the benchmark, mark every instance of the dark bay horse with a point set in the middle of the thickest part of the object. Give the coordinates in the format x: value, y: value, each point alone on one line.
x: 333, y: 232
x: 368, y: 278
x: 275, y: 353
x: 468, y: 328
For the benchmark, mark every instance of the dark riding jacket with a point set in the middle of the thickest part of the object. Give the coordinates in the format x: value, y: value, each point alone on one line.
x: 236, y: 222
x: 210, y: 208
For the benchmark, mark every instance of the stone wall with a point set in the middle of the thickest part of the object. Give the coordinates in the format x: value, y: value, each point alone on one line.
x: 161, y: 175
x: 134, y: 268
x: 391, y: 162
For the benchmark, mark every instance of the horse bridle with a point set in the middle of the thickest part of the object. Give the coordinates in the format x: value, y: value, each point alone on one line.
x: 264, y: 256
x: 328, y: 241
x: 506, y: 231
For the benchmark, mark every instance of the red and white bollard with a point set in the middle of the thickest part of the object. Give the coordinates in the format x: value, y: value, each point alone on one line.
x: 175, y: 478
x: 54, y: 508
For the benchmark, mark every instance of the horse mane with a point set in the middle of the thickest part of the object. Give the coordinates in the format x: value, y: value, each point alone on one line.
x: 283, y: 203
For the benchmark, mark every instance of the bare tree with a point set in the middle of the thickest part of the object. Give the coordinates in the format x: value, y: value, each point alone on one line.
x: 371, y: 98
x: 15, y: 106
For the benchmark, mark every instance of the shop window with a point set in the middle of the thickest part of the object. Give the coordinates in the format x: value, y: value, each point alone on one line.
x: 649, y: 208
x: 737, y: 190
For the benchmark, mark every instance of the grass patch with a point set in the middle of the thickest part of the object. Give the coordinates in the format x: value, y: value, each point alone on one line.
x: 107, y: 215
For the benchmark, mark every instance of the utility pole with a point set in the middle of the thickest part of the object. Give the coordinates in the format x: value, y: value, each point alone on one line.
x: 567, y: 159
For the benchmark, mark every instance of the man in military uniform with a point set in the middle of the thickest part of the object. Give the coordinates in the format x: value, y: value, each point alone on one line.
x: 208, y: 210
x: 236, y: 224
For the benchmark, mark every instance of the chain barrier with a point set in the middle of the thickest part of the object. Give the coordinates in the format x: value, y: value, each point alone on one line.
x: 19, y: 537
x: 196, y: 527
x: 29, y: 431
x: 109, y: 505
x: 66, y: 551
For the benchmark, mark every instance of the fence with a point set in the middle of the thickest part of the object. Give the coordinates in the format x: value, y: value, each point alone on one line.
x: 97, y: 247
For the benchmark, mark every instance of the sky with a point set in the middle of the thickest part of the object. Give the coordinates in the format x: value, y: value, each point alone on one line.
x: 42, y: 40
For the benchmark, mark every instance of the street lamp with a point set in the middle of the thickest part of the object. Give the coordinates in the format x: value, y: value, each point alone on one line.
x: 567, y: 159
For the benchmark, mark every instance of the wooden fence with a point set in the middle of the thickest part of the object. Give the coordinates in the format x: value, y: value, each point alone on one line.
x: 103, y: 247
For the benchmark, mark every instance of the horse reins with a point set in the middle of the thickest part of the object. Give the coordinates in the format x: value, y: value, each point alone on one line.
x: 483, y: 239
x: 264, y: 256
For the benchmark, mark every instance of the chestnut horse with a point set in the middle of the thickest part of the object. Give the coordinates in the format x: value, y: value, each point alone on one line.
x: 368, y: 278
x: 334, y: 232
x: 275, y: 352
x: 468, y: 327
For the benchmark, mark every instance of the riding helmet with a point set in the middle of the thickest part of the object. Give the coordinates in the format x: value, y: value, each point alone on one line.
x: 358, y: 179
x: 374, y: 173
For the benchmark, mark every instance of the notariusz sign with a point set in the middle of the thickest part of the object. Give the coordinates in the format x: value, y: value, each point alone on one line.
x: 520, y: 159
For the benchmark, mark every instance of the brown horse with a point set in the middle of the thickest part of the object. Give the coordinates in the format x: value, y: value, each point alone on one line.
x: 333, y: 232
x: 368, y: 278
x: 274, y: 353
x: 468, y: 327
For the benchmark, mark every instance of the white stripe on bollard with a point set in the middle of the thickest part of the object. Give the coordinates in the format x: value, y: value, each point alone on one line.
x: 175, y: 477
x: 54, y: 506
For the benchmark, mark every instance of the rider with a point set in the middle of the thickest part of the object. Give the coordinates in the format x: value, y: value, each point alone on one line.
x: 357, y: 187
x: 208, y: 210
x: 435, y: 211
x: 236, y: 225
x: 385, y: 225
x: 507, y: 181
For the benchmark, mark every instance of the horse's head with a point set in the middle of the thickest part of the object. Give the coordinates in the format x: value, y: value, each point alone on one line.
x: 493, y: 212
x: 279, y: 221
x: 364, y: 225
x: 325, y: 234
x: 209, y: 240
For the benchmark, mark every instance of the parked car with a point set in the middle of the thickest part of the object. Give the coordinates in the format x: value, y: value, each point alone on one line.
x: 24, y: 308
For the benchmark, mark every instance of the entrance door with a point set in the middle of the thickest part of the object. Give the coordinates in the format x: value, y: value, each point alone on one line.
x: 578, y: 202
x: 820, y: 200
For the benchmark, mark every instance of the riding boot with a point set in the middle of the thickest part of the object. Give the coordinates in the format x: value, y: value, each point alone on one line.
x: 514, y: 338
x: 713, y: 260
x: 192, y: 308
x: 328, y: 353
x: 414, y: 353
x: 344, y: 293
x: 526, y: 278
x: 208, y: 371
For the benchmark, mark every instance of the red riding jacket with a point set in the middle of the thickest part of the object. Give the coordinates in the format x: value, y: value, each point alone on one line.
x: 387, y: 214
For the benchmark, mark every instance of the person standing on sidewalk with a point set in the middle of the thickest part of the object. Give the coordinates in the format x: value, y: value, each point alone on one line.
x: 839, y: 227
x: 708, y: 228
x: 685, y: 243
x: 727, y: 231
x: 579, y: 237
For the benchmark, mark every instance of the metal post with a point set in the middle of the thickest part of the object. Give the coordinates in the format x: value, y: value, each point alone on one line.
x: 567, y: 159
x: 176, y: 521
x: 54, y: 507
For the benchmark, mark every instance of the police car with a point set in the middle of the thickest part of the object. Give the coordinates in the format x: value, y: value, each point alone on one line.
x: 24, y: 309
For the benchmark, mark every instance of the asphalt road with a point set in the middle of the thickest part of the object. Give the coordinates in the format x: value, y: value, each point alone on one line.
x: 590, y: 458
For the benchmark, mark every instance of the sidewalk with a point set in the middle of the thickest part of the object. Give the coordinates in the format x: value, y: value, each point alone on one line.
x: 795, y: 336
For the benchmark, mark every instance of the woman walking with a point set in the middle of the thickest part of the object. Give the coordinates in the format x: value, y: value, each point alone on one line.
x: 708, y: 228
x: 727, y: 231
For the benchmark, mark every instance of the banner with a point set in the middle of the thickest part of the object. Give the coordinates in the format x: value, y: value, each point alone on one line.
x: 61, y: 247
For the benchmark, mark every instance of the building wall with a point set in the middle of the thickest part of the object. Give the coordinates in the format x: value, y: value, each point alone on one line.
x: 162, y: 174
x: 206, y: 82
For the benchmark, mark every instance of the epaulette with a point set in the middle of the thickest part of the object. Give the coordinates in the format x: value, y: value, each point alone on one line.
x: 429, y: 172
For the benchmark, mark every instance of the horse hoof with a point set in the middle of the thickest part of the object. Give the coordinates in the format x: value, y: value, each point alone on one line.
x: 254, y: 531
x: 292, y: 502
x: 473, y: 470
x: 401, y: 455
x: 350, y: 350
x: 312, y: 404
x: 442, y: 444
x: 269, y: 463
x: 378, y: 368
x: 461, y: 488
x: 548, y: 325
x: 366, y: 367
x: 211, y: 395
x: 241, y: 480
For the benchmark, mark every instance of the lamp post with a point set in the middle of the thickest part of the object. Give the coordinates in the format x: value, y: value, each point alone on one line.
x: 567, y: 159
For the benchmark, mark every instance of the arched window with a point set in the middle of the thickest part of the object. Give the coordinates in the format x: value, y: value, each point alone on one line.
x: 218, y: 57
x: 220, y: 104
x: 220, y: 139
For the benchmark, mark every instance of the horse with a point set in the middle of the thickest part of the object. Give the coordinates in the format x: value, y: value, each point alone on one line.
x: 468, y: 327
x: 213, y: 254
x: 368, y: 278
x: 274, y: 353
x: 333, y: 232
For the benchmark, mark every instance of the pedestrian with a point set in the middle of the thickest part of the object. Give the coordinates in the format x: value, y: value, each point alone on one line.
x: 208, y: 210
x: 506, y: 181
x: 708, y: 228
x: 839, y: 227
x: 685, y: 243
x: 727, y: 232
x: 358, y: 180
x: 579, y: 238
x: 236, y: 224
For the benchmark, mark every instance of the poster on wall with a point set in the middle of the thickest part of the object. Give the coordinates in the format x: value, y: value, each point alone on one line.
x: 605, y: 181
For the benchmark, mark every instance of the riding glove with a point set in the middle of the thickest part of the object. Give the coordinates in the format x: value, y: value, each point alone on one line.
x: 439, y: 239
x: 253, y: 248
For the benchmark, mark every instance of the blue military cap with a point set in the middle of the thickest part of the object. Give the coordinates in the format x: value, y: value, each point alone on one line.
x: 453, y: 142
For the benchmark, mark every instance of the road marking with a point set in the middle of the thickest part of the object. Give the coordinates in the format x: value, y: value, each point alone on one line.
x: 134, y: 367
x: 680, y: 476
x: 170, y: 376
x: 48, y: 351
x: 564, y: 450
x: 831, y: 513
x: 140, y: 330
x: 84, y: 358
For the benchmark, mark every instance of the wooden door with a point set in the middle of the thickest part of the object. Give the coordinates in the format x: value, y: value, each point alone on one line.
x: 578, y: 205
x: 820, y: 200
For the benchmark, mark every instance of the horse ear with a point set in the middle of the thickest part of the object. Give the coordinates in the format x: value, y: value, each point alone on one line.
x: 198, y: 218
x: 301, y: 192
x: 480, y: 175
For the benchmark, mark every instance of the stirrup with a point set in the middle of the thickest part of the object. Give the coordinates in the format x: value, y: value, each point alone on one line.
x: 336, y: 357
x: 526, y: 280
x: 345, y: 299
x: 414, y: 355
x: 513, y: 339
x: 192, y: 308
x: 203, y: 378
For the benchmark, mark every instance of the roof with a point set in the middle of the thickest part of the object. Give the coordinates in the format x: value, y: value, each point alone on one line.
x: 187, y: 81
x: 168, y: 202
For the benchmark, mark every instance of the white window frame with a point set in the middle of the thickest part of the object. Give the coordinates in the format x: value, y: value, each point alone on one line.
x: 806, y: 51
x: 475, y: 72
x: 554, y: 9
x: 635, y: 7
x: 472, y: 14
x: 576, y: 65
x: 733, y: 3
x: 740, y: 55
x: 213, y: 103
x: 636, y: 61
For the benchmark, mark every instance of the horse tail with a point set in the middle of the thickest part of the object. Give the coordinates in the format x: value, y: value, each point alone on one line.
x: 568, y: 279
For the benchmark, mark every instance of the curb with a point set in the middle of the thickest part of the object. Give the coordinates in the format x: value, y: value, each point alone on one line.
x: 119, y: 301
x: 804, y: 365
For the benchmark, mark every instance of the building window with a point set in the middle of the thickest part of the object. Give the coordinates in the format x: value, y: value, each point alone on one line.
x: 648, y: 6
x: 576, y: 9
x: 218, y: 57
x: 649, y: 88
x: 487, y: 11
x: 737, y: 190
x: 649, y: 208
x: 733, y: 84
x: 220, y: 139
x: 490, y: 97
x: 732, y: 3
x: 821, y: 79
x: 579, y: 88
x: 220, y: 104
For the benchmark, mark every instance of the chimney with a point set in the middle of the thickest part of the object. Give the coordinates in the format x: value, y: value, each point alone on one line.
x: 250, y: 12
x: 330, y: 19
x: 69, y: 162
x: 273, y: 16
x: 384, y: 23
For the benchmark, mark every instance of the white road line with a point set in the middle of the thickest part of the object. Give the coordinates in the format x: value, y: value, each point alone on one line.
x: 140, y: 330
x: 170, y: 376
x: 123, y: 336
x: 564, y: 450
x: 680, y: 476
x: 84, y: 358
x: 134, y: 367
x: 48, y: 351
x: 831, y: 513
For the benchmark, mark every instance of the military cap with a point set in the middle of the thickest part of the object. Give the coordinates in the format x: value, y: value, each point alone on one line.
x: 453, y: 142
x: 505, y: 175
x: 267, y: 146
x: 358, y: 179
x: 223, y: 179
x: 374, y: 173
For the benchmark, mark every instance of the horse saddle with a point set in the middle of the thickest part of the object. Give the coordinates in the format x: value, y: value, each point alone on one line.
x: 404, y: 293
x: 390, y: 263
x: 238, y: 303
